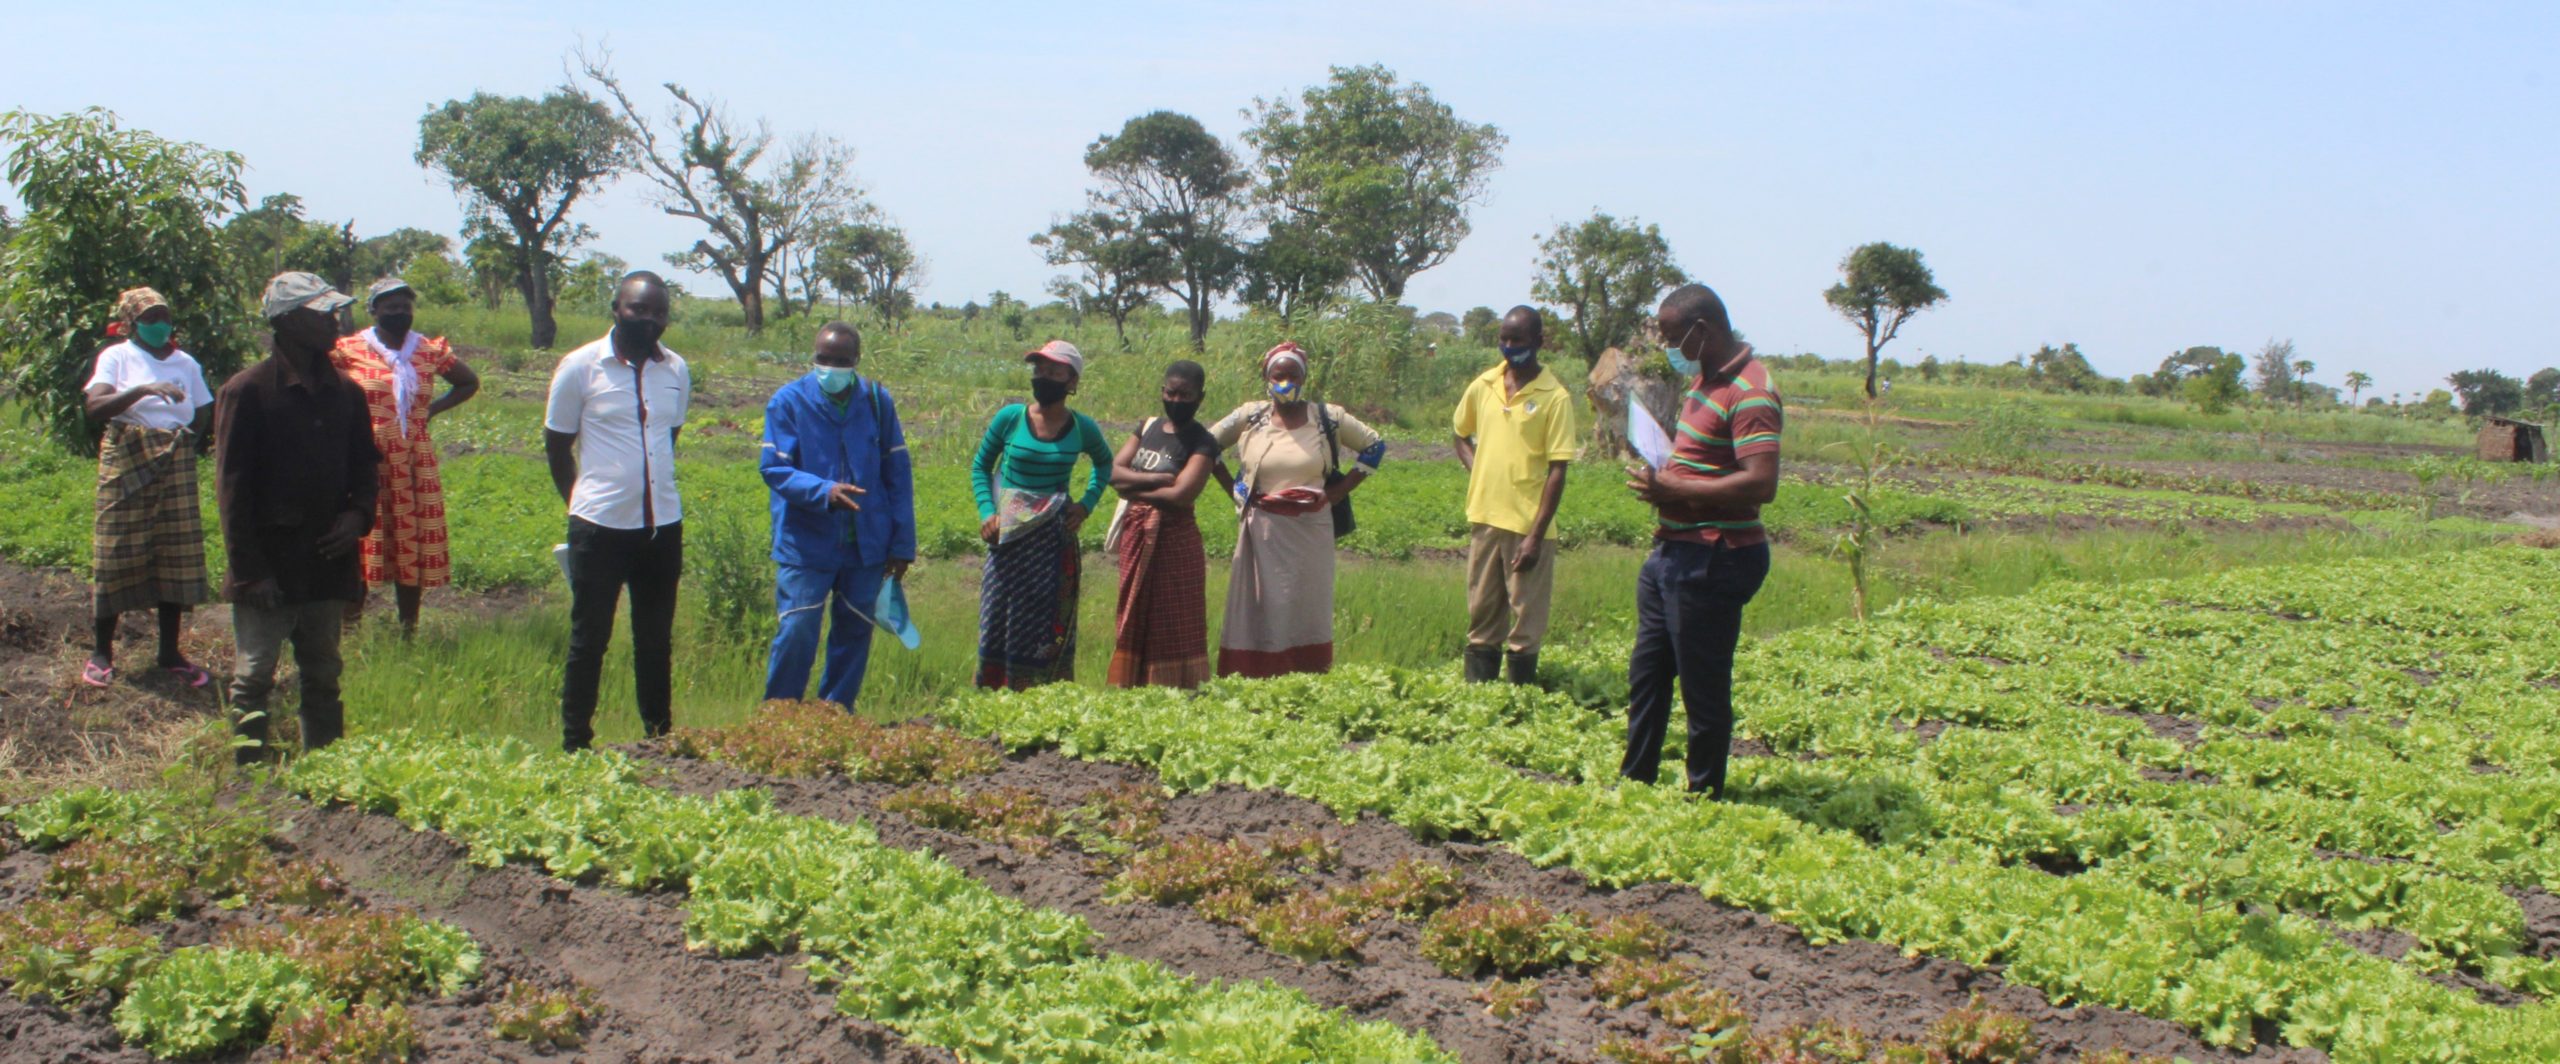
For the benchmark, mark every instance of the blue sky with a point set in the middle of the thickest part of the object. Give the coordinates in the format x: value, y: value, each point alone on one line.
x: 2376, y: 182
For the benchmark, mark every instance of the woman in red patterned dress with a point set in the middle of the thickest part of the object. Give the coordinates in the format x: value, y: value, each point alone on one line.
x: 397, y: 368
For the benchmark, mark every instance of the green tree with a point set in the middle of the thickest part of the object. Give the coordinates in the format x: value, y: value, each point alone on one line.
x: 1386, y: 170
x: 2541, y: 391
x: 520, y: 165
x: 110, y: 208
x: 274, y: 237
x: 2273, y: 369
x: 2062, y: 369
x: 2175, y: 369
x: 391, y: 254
x: 2487, y: 392
x: 1119, y: 265
x: 1181, y: 190
x: 1606, y: 276
x: 1481, y: 326
x: 2214, y: 390
x: 2302, y: 386
x: 873, y: 264
x: 1009, y: 312
x: 438, y: 279
x: 1881, y: 287
x: 1293, y: 271
x: 2358, y: 381
x: 705, y: 165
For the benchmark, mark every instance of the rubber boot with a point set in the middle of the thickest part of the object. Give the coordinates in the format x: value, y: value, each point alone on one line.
x: 1484, y: 664
x: 1523, y: 665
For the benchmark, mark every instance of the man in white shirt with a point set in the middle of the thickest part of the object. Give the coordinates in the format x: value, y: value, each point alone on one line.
x: 616, y: 407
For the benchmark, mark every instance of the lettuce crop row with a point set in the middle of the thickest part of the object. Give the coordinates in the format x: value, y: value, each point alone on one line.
x: 322, y: 978
x: 908, y: 940
x: 2100, y: 939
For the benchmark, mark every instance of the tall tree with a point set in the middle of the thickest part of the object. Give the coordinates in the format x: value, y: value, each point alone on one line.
x: 2487, y: 392
x: 1881, y: 287
x: 2273, y: 368
x: 108, y: 208
x: 521, y: 164
x: 1182, y: 191
x: 2542, y: 390
x: 1385, y: 169
x: 1293, y: 271
x: 873, y: 264
x: 815, y: 193
x: 2213, y: 390
x: 1606, y: 275
x: 2359, y: 380
x: 2302, y: 368
x: 1119, y: 265
x: 704, y: 165
x: 274, y: 237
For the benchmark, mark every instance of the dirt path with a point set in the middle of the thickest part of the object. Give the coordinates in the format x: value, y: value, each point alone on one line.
x: 51, y: 724
x: 1774, y: 974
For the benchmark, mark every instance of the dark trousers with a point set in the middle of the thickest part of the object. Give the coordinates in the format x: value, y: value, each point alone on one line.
x: 259, y: 636
x: 602, y: 562
x: 1689, y: 599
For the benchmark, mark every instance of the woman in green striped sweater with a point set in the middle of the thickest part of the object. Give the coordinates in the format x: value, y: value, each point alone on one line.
x: 1027, y: 602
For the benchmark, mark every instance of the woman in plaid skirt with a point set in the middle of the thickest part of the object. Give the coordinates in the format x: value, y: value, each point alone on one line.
x: 150, y: 531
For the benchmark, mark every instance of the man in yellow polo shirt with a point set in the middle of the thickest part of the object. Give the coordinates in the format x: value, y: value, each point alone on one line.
x: 1515, y: 435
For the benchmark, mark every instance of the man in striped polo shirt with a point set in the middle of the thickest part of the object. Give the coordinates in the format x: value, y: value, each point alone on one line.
x: 1710, y: 553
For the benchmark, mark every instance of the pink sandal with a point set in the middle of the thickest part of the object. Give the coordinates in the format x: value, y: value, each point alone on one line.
x: 193, y: 674
x: 96, y: 675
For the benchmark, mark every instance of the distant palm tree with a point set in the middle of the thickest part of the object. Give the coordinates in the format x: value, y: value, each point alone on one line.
x: 2357, y: 381
x: 2302, y: 368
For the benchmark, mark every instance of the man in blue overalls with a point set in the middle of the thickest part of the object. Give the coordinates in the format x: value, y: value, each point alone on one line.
x: 844, y: 515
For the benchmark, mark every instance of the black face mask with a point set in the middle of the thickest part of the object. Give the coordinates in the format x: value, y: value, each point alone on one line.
x: 1048, y: 392
x: 1181, y: 413
x: 394, y: 324
x: 638, y: 332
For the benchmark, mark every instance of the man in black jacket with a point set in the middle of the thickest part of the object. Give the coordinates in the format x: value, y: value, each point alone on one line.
x: 294, y: 477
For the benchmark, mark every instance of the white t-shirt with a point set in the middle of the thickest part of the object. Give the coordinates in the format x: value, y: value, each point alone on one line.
x: 125, y: 366
x: 626, y: 433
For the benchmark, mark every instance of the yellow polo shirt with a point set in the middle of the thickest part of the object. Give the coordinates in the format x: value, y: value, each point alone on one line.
x: 1516, y: 436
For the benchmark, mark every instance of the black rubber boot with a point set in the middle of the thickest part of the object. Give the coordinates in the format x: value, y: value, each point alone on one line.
x: 1523, y: 666
x: 1484, y: 664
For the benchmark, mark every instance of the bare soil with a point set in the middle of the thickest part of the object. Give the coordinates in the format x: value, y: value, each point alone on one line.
x: 1773, y: 973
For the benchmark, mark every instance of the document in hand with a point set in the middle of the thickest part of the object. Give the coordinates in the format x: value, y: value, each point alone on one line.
x: 1646, y: 435
x: 889, y: 612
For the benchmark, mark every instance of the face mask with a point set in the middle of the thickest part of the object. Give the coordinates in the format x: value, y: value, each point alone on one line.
x: 1519, y: 356
x: 1284, y: 391
x: 1181, y: 413
x: 642, y: 333
x: 154, y: 333
x: 1681, y: 363
x: 833, y: 379
x: 1048, y: 392
x: 394, y: 324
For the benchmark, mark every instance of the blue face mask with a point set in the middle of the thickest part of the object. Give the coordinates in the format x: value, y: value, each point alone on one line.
x: 1284, y: 390
x: 1519, y: 356
x: 1681, y: 363
x: 833, y: 379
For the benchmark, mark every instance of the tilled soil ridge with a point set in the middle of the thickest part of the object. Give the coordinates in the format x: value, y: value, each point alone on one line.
x: 1772, y: 972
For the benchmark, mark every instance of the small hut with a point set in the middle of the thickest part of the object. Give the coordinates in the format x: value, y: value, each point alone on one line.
x: 2509, y: 440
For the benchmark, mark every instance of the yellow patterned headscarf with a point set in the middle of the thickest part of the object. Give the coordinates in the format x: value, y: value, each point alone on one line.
x: 133, y: 301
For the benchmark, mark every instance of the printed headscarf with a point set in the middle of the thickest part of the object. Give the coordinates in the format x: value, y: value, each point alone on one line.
x: 132, y: 302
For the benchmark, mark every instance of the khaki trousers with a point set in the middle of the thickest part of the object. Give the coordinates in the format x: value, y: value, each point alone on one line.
x: 1505, y: 608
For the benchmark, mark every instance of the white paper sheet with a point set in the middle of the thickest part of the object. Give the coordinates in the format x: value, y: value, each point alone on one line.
x: 1646, y: 435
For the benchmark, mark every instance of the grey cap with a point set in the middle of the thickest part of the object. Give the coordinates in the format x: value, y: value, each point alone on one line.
x: 290, y: 292
x: 385, y: 287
